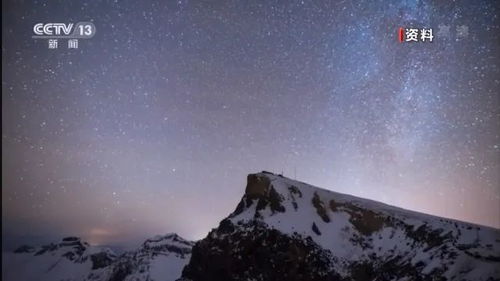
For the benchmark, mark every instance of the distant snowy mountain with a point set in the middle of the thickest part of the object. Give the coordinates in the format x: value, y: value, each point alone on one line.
x: 287, y: 230
x: 71, y: 259
x: 159, y: 259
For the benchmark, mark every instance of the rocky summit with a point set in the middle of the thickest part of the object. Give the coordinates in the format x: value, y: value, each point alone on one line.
x: 288, y: 230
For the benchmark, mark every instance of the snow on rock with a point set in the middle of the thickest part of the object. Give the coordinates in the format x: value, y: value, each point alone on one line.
x: 159, y: 259
x: 71, y: 259
x: 352, y: 238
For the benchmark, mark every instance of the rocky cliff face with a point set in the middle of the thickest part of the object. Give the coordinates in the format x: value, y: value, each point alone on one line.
x: 287, y: 230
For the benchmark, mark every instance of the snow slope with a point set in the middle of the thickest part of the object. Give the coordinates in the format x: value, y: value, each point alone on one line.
x: 358, y: 238
x: 159, y: 259
x: 71, y: 259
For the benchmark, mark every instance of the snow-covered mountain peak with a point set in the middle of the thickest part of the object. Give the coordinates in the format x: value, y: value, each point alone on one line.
x: 159, y: 258
x: 68, y: 259
x: 293, y: 206
x: 169, y: 242
x: 340, y: 237
x: 73, y: 249
x: 72, y: 259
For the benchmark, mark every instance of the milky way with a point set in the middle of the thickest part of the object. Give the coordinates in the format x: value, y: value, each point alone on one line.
x: 152, y: 125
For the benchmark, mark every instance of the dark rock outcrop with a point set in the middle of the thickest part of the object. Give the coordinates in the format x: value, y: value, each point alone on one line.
x: 287, y: 230
x: 255, y: 252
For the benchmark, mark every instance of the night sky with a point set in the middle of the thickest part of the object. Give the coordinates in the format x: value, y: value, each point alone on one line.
x: 152, y: 125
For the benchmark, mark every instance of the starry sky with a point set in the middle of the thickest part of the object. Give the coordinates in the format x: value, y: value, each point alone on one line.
x: 152, y: 125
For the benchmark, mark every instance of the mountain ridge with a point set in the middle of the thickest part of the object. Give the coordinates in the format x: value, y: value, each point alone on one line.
x: 283, y: 229
x: 351, y: 238
x: 158, y: 258
x: 379, y: 203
